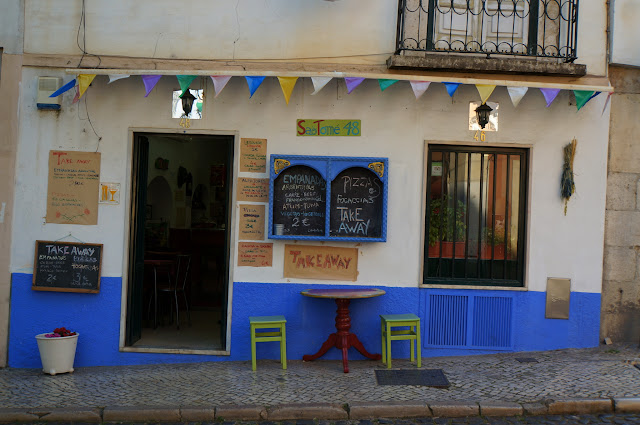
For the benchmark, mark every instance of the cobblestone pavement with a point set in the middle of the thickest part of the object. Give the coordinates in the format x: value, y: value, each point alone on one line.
x: 476, y: 420
x: 601, y: 372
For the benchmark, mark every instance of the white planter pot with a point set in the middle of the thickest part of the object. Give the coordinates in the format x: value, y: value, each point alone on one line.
x: 57, y: 354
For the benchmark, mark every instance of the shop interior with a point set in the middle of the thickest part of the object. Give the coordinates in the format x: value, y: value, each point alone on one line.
x: 186, y: 221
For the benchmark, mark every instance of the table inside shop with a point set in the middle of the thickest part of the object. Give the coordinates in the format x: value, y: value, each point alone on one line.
x: 342, y: 339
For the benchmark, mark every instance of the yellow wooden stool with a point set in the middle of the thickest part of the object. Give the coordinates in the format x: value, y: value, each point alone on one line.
x: 268, y: 322
x: 388, y: 321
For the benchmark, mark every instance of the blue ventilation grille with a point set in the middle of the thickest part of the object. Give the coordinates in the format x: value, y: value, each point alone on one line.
x: 492, y: 322
x: 447, y: 320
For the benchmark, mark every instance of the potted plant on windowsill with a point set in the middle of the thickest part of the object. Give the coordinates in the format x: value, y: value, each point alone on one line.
x: 494, y: 242
x: 57, y: 350
x: 443, y: 220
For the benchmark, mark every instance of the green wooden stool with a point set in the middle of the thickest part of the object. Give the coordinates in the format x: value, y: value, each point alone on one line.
x: 268, y: 322
x: 388, y: 321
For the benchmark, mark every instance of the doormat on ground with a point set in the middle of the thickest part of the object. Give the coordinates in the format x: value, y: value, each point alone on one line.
x: 425, y: 377
x: 526, y: 360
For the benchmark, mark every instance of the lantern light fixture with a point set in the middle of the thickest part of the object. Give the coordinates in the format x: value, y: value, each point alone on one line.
x: 187, y: 102
x: 482, y: 114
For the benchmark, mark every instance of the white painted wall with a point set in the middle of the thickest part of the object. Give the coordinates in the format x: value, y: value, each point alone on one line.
x: 220, y: 29
x: 625, y: 34
x: 11, y: 26
x: 394, y: 125
x: 364, y: 31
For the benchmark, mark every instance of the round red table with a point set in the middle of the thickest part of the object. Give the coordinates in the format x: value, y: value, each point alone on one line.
x: 343, y: 339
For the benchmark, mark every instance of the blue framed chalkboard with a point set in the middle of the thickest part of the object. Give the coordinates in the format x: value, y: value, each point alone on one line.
x: 328, y: 198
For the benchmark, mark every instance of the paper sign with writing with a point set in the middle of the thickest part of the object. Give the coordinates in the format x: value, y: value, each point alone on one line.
x: 253, y: 190
x: 255, y: 254
x: 316, y: 127
x: 74, y: 182
x: 320, y: 262
x: 251, y: 222
x: 253, y: 155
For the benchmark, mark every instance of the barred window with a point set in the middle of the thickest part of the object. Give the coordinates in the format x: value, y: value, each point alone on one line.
x: 544, y: 28
x: 475, y: 215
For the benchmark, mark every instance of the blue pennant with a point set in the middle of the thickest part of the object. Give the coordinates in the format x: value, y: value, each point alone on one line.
x: 254, y: 83
x: 451, y: 88
x: 71, y: 84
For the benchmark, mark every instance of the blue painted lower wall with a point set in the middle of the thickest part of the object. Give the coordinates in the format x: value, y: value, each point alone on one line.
x: 309, y: 321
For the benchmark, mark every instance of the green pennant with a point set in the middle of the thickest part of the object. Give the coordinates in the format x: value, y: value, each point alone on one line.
x: 384, y: 83
x: 185, y: 81
x: 582, y: 97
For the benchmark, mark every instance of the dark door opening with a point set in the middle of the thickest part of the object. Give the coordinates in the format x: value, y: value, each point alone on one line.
x: 179, y: 245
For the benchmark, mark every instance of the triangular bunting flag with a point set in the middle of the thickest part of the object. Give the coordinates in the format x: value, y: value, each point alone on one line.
x: 352, y: 83
x: 116, y: 77
x: 451, y: 88
x: 185, y: 81
x: 419, y: 87
x: 64, y: 88
x: 485, y: 91
x: 76, y: 98
x: 319, y: 83
x: 254, y: 83
x: 84, y: 80
x: 516, y: 94
x: 606, y: 103
x: 150, y: 82
x: 219, y: 81
x: 550, y: 95
x: 583, y: 96
x: 287, y: 84
x: 385, y: 83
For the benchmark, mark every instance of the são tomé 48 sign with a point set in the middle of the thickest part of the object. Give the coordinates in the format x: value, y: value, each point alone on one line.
x: 316, y: 127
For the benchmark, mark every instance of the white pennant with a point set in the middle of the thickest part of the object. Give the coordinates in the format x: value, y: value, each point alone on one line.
x: 319, y: 83
x: 517, y: 93
x: 419, y: 87
x: 116, y: 77
x: 219, y: 81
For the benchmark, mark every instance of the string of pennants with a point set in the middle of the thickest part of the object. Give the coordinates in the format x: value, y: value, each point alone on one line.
x: 82, y: 82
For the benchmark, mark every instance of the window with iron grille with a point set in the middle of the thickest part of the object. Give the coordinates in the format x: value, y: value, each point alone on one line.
x: 542, y: 28
x: 475, y: 215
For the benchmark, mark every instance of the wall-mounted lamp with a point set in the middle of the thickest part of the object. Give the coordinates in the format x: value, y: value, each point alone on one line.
x: 187, y: 102
x: 482, y: 113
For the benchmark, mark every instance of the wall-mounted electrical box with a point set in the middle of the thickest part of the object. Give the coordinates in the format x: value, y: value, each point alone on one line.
x: 46, y: 87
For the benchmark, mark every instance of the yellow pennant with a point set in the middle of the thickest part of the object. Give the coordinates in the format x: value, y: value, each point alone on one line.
x: 485, y: 91
x: 287, y: 84
x: 83, y: 82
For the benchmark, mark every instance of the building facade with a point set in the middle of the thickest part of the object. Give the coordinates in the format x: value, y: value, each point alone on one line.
x: 220, y: 189
x: 621, y: 301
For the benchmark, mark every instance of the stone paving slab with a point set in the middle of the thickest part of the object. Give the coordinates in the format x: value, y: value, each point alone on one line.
x: 574, y: 380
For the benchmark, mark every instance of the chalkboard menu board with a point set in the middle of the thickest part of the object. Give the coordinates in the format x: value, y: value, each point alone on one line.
x: 67, y: 267
x: 328, y: 198
x: 299, y: 202
x: 356, y: 204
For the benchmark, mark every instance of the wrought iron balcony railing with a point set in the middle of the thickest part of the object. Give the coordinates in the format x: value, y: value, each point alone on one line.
x: 539, y: 28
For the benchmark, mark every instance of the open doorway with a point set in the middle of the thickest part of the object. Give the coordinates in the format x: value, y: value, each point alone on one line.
x: 179, y: 245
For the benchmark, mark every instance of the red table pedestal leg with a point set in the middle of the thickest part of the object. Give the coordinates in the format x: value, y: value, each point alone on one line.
x: 342, y: 339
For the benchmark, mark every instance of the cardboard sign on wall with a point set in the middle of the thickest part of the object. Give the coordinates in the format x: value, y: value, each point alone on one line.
x: 251, y: 222
x: 320, y: 262
x: 253, y: 190
x: 253, y: 155
x: 74, y: 187
x: 255, y: 254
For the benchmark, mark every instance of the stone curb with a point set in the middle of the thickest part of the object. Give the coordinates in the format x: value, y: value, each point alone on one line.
x: 321, y: 411
x: 140, y: 414
x: 389, y: 409
x: 307, y: 411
